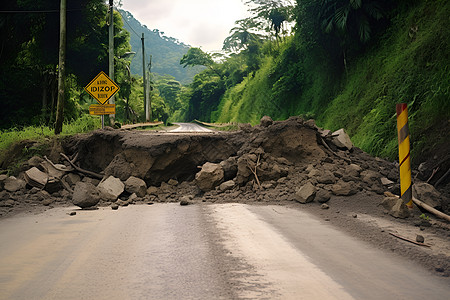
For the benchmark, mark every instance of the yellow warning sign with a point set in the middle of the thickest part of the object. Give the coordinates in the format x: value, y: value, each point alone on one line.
x: 105, y: 109
x: 102, y: 88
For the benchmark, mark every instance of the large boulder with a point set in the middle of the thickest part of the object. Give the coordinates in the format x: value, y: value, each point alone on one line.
x: 229, y: 167
x: 342, y: 140
x: 111, y: 188
x: 36, y: 178
x: 427, y: 193
x: 13, y: 184
x: 210, y: 176
x: 305, y: 193
x: 85, y: 195
x: 136, y: 185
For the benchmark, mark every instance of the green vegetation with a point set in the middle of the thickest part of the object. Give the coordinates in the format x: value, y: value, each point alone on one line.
x: 347, y: 65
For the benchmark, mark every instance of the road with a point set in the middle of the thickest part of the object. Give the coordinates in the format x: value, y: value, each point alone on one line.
x: 168, y: 251
x: 190, y: 127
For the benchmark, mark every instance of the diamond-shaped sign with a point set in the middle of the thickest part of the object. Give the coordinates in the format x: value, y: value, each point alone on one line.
x: 102, y: 88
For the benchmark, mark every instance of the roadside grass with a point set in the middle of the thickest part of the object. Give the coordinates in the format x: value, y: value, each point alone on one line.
x: 40, y: 133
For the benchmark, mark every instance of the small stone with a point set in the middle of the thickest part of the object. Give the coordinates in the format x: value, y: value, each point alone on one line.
x: 420, y: 238
x: 439, y: 269
x: 114, y: 206
x: 355, y: 216
x: 172, y: 182
x: 184, y: 202
x: 324, y: 206
x: 72, y: 213
x: 327, y: 219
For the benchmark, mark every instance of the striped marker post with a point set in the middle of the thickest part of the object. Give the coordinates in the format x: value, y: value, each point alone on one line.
x: 404, y: 151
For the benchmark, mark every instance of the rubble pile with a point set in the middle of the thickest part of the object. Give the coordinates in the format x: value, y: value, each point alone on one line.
x: 290, y: 160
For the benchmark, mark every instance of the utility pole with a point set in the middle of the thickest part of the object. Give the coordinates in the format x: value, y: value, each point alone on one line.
x: 145, y: 80
x: 111, y: 55
x: 61, y: 68
x: 150, y: 89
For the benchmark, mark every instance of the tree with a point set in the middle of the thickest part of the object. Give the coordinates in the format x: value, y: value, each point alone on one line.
x: 241, y: 35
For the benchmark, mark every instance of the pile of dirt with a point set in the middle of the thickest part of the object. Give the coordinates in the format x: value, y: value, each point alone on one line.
x: 282, y: 162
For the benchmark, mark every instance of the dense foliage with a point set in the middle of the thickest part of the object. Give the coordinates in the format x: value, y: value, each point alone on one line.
x: 347, y: 64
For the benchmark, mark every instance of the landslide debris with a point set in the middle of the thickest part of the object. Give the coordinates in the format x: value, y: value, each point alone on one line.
x: 275, y: 161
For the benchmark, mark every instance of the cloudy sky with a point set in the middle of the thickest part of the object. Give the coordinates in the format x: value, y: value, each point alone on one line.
x: 199, y: 23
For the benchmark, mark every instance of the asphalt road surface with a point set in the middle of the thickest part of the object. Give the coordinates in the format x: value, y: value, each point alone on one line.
x: 168, y: 251
x: 190, y: 127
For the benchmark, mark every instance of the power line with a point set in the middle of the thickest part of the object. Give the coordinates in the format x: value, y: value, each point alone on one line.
x: 125, y: 19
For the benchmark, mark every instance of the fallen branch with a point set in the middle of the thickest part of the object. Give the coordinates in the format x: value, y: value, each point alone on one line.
x: 90, y: 173
x: 408, y: 240
x: 57, y: 168
x: 254, y: 171
x: 65, y: 185
x: 431, y: 209
x: 324, y: 143
x: 432, y: 174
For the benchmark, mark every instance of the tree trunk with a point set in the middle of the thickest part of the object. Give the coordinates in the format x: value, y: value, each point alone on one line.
x: 62, y: 69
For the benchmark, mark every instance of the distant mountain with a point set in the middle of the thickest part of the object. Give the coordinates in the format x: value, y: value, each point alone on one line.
x: 166, y: 51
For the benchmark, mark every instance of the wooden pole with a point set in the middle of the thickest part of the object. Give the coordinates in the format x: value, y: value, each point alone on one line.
x: 111, y: 55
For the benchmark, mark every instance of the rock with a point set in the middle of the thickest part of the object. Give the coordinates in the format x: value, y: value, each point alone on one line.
x: 305, y: 193
x: 385, y: 181
x: 184, y: 202
x: 53, y: 185
x: 172, y: 182
x: 342, y: 188
x: 326, y: 178
x: 227, y: 185
x: 229, y: 167
x: 136, y: 185
x: 420, y: 238
x: 210, y: 176
x: 52, y: 171
x: 399, y: 209
x: 48, y: 201
x: 111, y: 188
x: 72, y: 178
x: 245, y: 127
x: 114, y: 206
x: 7, y: 203
x: 370, y: 176
x: 322, y: 196
x: 133, y: 197
x: 353, y: 170
x: 427, y: 193
x: 342, y: 140
x: 72, y: 213
x: 35, y: 161
x: 13, y: 184
x: 121, y: 202
x: 324, y: 206
x: 152, y: 190
x: 36, y: 178
x: 2, y: 179
x: 85, y: 195
x: 266, y: 121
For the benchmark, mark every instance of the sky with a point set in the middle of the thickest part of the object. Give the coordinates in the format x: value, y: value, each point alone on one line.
x: 198, y: 23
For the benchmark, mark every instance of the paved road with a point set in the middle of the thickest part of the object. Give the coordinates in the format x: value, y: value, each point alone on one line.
x: 168, y: 251
x: 190, y: 127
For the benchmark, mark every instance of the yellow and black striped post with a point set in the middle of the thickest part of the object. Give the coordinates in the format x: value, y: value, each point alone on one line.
x: 404, y: 151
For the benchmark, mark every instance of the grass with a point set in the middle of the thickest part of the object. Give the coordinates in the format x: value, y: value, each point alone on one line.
x: 40, y: 133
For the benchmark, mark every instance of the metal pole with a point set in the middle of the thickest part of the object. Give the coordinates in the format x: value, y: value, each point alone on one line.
x: 150, y: 89
x: 111, y: 54
x: 144, y: 78
x: 404, y: 154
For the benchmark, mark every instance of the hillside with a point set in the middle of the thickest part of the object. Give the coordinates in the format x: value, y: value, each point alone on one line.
x: 166, y: 51
x: 407, y: 60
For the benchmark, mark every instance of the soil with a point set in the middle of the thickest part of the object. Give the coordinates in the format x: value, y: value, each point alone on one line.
x: 285, y: 155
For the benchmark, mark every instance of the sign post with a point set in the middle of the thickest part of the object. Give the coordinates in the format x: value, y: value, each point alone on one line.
x: 102, y: 88
x: 404, y: 154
